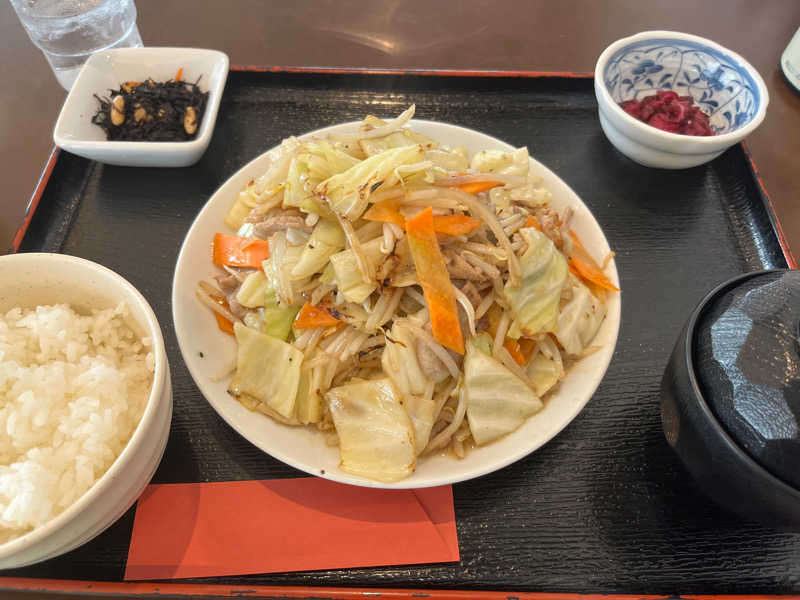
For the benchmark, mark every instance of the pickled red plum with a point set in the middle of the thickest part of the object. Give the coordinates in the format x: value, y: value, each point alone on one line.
x: 667, y: 111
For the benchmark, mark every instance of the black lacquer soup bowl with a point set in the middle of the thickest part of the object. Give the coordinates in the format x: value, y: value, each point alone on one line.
x: 730, y: 396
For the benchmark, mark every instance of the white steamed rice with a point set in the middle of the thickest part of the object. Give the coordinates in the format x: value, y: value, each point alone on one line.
x: 72, y: 390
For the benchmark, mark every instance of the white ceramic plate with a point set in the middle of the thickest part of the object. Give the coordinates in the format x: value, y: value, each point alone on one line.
x: 208, y: 352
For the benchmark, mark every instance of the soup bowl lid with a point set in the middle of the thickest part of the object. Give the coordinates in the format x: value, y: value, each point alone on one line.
x: 746, y: 356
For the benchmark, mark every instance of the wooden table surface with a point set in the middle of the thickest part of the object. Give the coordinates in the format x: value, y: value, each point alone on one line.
x: 539, y: 35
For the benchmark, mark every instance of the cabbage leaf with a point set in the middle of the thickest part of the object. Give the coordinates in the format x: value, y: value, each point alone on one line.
x: 399, y: 360
x: 296, y: 188
x: 309, y: 401
x: 337, y: 160
x: 326, y: 239
x: 318, y: 161
x: 543, y: 373
x: 398, y: 139
x: 376, y: 437
x: 516, y: 162
x: 348, y: 277
x: 579, y: 319
x: 448, y: 159
x: 272, y: 318
x: 267, y: 371
x: 420, y: 410
x: 498, y: 401
x: 404, y: 272
x: 348, y: 193
x: 252, y: 292
x: 278, y: 268
x: 535, y: 301
x: 278, y: 319
x: 265, y: 186
x: 532, y: 194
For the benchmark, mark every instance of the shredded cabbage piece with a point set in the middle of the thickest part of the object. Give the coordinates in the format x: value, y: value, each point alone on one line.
x: 267, y: 371
x: 326, y: 240
x: 491, y: 414
x: 376, y: 437
x: 579, y: 319
x: 348, y: 193
x: 534, y: 303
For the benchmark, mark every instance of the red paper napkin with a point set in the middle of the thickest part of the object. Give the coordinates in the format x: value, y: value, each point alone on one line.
x: 244, y: 527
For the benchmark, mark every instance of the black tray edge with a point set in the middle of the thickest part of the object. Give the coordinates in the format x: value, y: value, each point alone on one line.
x: 33, y: 203
x: 777, y: 228
x: 423, y: 72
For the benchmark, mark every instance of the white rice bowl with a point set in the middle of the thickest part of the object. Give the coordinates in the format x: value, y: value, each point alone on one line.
x: 72, y: 390
x: 85, y: 403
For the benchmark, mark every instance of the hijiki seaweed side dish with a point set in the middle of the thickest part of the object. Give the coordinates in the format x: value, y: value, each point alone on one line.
x: 401, y: 296
x: 151, y: 111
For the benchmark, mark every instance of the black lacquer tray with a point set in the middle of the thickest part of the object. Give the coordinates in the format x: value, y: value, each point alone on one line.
x: 605, y: 507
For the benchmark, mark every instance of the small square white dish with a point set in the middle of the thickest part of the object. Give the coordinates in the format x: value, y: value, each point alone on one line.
x: 107, y: 70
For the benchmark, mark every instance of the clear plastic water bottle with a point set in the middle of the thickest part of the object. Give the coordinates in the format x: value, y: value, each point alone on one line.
x: 69, y: 31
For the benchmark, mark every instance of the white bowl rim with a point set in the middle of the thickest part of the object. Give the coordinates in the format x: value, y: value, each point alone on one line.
x: 206, y: 127
x: 730, y: 137
x: 113, y: 472
x: 346, y: 478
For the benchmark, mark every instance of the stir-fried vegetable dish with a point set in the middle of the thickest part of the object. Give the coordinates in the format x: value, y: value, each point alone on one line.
x: 400, y: 295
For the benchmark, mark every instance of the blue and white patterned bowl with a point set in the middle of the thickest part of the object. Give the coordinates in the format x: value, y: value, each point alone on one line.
x: 721, y: 82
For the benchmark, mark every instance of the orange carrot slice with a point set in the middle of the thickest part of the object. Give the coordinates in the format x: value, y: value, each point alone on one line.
x: 475, y: 187
x: 520, y: 350
x: 223, y: 323
x: 314, y: 316
x: 584, y: 266
x: 435, y: 281
x: 235, y: 251
x: 526, y: 347
x: 532, y: 222
x: 385, y: 212
x: 514, y: 350
x: 455, y: 224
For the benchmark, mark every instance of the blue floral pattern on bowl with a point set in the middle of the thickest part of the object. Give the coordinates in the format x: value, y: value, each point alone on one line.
x: 720, y: 85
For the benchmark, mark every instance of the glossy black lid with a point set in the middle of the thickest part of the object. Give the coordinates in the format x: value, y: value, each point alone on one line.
x: 747, y: 363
